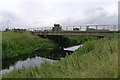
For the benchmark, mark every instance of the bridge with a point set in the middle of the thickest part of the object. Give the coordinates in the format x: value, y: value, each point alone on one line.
x: 83, y: 30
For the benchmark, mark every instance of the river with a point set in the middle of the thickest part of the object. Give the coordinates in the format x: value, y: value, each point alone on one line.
x: 27, y: 61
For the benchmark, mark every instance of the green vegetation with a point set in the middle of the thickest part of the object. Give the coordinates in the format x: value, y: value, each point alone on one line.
x: 76, y: 40
x: 0, y: 53
x: 56, y: 27
x: 0, y: 43
x: 95, y: 59
x: 18, y: 43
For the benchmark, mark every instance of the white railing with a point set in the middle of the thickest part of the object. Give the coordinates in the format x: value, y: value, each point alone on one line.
x: 79, y: 28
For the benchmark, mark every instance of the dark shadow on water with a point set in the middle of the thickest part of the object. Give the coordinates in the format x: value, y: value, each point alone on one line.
x: 54, y: 55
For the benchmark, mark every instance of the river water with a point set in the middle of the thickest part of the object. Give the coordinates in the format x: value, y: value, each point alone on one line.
x: 34, y: 60
x: 29, y: 62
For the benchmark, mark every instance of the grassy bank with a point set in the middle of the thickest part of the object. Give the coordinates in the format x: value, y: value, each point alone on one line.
x: 0, y: 43
x: 76, y: 40
x: 96, y: 59
x: 0, y: 53
x: 17, y: 43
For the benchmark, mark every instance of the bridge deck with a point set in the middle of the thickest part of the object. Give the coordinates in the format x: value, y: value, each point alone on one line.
x: 74, y: 33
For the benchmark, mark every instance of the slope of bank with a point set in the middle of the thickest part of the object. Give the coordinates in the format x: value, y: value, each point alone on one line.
x: 96, y: 59
x: 76, y: 40
x: 18, y: 43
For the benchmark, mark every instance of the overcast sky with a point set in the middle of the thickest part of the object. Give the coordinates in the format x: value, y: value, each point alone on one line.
x: 43, y: 13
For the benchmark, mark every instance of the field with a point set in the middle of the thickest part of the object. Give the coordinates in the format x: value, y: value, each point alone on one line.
x: 96, y: 59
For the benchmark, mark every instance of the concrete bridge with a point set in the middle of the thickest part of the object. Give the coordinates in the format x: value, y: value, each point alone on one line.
x: 84, y: 30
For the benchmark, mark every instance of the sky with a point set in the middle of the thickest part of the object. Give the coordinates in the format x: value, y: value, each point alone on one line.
x: 45, y: 13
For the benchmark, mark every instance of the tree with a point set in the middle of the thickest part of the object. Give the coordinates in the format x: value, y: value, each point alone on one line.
x: 56, y: 27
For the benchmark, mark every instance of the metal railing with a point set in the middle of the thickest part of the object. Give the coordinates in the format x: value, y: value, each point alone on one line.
x: 79, y: 28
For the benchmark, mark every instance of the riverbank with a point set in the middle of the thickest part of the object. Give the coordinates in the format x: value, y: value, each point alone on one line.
x: 18, y: 43
x: 23, y: 45
x: 69, y: 41
x: 96, y: 59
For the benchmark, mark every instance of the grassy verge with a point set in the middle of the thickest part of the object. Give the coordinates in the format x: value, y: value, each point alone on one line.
x: 76, y: 40
x: 17, y: 43
x: 96, y: 59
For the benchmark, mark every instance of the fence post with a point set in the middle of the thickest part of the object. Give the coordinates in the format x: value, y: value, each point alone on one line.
x: 80, y: 28
x: 73, y: 28
x: 87, y: 27
x: 103, y: 26
x: 66, y: 28
x: 114, y: 27
x: 96, y: 27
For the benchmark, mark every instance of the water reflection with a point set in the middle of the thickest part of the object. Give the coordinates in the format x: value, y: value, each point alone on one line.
x: 11, y: 61
x: 30, y: 62
x: 55, y: 55
x: 35, y: 59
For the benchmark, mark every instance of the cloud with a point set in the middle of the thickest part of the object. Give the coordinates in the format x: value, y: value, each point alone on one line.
x: 9, y: 15
x: 43, y: 13
x: 93, y: 15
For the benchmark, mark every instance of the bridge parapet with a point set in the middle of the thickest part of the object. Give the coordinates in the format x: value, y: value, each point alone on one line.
x: 87, y: 30
x: 79, y: 28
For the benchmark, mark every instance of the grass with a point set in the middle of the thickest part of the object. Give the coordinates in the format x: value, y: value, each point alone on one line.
x: 0, y: 43
x: 0, y: 53
x: 18, y: 43
x: 95, y: 59
x: 76, y: 40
